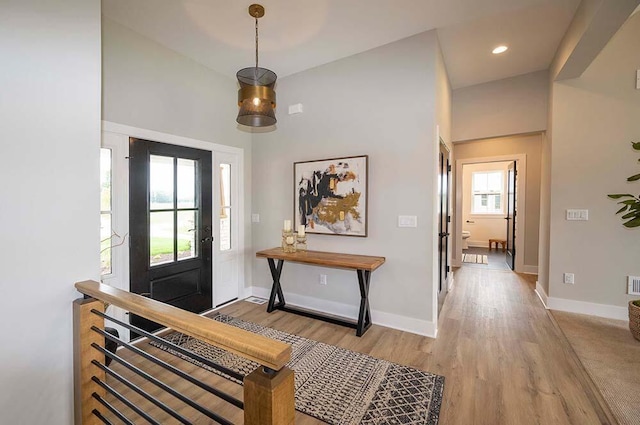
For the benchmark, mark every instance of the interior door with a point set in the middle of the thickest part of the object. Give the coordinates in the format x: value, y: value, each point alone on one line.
x: 170, y: 226
x: 444, y: 172
x: 512, y: 178
x: 226, y: 249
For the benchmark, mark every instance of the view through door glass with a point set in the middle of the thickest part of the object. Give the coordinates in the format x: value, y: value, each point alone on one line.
x: 170, y: 224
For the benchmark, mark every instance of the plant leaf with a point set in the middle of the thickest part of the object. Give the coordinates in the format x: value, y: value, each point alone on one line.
x: 620, y: 195
x: 636, y: 145
x: 631, y: 214
x: 633, y: 223
x: 622, y: 209
x: 628, y: 202
x: 634, y: 178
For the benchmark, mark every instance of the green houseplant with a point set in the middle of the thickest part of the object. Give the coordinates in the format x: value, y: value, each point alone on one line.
x: 630, y: 211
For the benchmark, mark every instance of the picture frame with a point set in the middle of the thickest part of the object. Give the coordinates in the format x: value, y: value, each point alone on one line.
x: 330, y: 196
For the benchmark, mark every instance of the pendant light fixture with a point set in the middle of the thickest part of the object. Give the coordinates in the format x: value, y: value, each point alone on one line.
x: 256, y: 97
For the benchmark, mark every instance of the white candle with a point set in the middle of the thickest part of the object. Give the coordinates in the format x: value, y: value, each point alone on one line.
x: 301, y: 230
x: 287, y: 225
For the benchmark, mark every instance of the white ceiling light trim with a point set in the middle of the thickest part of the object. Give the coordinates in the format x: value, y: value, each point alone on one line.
x: 500, y: 49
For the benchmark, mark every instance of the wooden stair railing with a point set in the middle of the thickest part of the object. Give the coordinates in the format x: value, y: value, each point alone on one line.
x: 268, y: 390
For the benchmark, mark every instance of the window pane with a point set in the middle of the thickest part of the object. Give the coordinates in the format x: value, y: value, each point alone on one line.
x: 186, y: 183
x: 479, y: 183
x: 225, y: 185
x: 225, y: 229
x: 161, y: 182
x: 105, y: 243
x: 498, y: 203
x: 494, y: 181
x: 187, y: 235
x: 105, y: 179
x: 161, y: 238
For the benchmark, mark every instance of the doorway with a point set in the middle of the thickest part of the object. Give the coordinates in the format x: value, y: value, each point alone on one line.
x: 444, y: 218
x: 170, y: 226
x: 492, y: 210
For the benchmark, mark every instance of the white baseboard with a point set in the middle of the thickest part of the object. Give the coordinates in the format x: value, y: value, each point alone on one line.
x: 450, y: 282
x: 542, y: 294
x: 593, y: 309
x: 529, y: 269
x: 390, y: 320
x: 478, y: 244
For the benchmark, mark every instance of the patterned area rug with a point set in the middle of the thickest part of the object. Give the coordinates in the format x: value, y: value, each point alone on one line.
x: 333, y: 384
x: 475, y: 258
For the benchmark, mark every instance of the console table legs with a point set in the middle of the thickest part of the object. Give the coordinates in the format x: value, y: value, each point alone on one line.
x: 276, y: 289
x: 277, y: 302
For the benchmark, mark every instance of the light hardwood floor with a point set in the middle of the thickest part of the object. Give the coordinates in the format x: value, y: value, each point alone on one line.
x: 504, y: 360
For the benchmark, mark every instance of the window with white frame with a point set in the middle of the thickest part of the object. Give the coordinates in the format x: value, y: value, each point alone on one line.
x: 487, y: 192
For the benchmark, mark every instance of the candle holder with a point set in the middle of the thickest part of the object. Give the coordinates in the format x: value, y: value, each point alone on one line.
x: 301, y: 242
x: 288, y: 241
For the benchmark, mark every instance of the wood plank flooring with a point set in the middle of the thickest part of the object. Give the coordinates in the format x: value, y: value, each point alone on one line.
x: 504, y: 360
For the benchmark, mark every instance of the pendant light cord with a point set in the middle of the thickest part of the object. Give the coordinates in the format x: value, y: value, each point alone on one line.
x: 256, y: 42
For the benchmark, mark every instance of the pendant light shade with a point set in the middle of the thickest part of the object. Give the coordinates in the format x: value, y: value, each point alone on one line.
x: 256, y: 97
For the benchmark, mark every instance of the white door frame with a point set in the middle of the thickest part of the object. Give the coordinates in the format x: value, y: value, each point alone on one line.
x: 520, y: 204
x: 118, y: 134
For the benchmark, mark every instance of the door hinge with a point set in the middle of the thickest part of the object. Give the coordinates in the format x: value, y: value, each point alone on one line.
x: 448, y: 269
x: 448, y: 219
x: 449, y: 168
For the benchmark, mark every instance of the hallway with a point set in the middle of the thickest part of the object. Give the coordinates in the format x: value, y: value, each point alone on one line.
x: 504, y: 360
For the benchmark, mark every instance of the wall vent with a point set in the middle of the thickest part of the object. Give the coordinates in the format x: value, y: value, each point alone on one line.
x: 634, y: 285
x: 257, y: 300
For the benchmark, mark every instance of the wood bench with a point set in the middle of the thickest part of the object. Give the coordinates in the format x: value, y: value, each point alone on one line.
x: 502, y: 242
x: 362, y: 264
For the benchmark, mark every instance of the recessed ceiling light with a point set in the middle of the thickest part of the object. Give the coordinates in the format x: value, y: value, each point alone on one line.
x: 499, y: 49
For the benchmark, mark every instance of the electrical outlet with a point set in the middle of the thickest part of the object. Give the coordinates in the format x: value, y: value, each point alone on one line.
x: 323, y: 279
x: 255, y: 218
x: 569, y: 278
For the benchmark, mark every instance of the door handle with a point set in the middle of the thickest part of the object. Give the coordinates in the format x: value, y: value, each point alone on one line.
x: 207, y: 239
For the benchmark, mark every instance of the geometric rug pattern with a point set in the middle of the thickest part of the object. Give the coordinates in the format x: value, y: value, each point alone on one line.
x: 475, y: 258
x: 333, y: 384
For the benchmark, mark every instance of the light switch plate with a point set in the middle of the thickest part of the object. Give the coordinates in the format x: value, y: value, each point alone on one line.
x: 577, y: 215
x: 407, y: 221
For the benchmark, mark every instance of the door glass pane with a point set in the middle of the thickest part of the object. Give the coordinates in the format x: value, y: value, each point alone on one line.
x: 161, y: 238
x: 186, y: 183
x: 225, y: 210
x: 225, y: 229
x: 105, y: 243
x: 187, y: 235
x: 105, y: 179
x: 161, y: 182
x: 225, y: 185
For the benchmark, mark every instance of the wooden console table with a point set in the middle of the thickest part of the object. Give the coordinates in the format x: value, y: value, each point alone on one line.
x: 362, y: 264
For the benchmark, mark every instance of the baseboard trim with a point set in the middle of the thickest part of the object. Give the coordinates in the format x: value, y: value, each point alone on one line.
x: 478, y: 244
x: 592, y: 309
x: 542, y: 295
x: 382, y: 318
x: 530, y: 269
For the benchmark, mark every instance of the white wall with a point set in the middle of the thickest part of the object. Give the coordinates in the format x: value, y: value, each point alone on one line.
x: 50, y: 131
x: 515, y: 105
x: 149, y: 86
x: 482, y: 228
x: 364, y: 104
x: 594, y: 119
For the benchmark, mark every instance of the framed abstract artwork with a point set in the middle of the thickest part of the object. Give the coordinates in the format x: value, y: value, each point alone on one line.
x: 330, y: 196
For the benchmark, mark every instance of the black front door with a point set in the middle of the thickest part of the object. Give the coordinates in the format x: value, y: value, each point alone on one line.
x: 512, y: 176
x: 170, y: 226
x: 444, y: 169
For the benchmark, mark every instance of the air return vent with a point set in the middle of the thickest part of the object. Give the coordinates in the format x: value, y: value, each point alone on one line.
x: 634, y: 285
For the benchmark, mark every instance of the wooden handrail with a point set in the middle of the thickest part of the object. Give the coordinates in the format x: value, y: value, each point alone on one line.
x: 267, y: 352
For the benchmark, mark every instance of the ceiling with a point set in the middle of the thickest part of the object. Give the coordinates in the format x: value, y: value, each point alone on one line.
x: 298, y: 35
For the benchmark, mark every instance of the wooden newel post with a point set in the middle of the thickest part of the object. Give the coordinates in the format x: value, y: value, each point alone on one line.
x: 83, y: 354
x: 269, y: 397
